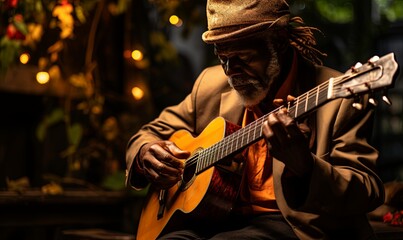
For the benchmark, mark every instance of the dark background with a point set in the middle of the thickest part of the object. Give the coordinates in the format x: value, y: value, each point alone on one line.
x: 352, y: 31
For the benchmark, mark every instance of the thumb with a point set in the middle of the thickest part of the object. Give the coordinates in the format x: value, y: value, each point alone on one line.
x: 177, y: 152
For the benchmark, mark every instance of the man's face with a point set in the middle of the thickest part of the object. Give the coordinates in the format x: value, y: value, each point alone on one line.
x: 252, y: 66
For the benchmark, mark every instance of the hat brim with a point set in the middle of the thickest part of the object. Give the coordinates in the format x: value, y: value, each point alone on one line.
x: 233, y: 33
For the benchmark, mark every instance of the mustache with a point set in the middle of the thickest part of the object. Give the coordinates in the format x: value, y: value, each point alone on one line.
x: 242, y: 80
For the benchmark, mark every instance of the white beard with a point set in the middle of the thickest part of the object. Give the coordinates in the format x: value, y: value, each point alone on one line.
x: 252, y: 91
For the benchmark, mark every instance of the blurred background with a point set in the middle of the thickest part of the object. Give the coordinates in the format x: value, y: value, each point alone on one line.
x: 78, y: 78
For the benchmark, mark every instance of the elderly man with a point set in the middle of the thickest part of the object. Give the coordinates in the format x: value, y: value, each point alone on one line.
x: 306, y: 177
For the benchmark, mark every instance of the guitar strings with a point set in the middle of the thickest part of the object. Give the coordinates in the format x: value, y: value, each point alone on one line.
x: 205, y: 156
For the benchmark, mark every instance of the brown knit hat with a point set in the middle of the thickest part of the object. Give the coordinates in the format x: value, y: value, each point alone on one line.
x: 233, y: 19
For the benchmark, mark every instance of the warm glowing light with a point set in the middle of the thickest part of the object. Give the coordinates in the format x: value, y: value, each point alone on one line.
x: 137, y: 55
x: 174, y: 19
x: 42, y: 77
x: 137, y: 93
x: 24, y: 58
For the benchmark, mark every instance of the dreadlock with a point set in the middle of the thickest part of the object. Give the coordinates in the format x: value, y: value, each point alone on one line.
x: 303, y: 40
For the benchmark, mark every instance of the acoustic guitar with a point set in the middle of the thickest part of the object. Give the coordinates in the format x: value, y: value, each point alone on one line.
x: 208, y: 190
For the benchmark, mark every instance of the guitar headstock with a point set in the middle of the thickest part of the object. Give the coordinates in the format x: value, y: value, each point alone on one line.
x: 377, y: 74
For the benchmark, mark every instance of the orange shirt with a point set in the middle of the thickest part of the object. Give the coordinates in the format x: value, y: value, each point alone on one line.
x: 257, y: 190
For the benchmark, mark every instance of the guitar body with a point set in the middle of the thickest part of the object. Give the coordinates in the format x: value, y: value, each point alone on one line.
x: 211, y: 193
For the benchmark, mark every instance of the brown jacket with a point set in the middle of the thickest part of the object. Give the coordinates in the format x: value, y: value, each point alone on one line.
x: 343, y: 185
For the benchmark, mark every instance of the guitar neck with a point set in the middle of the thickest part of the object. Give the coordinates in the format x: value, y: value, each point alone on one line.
x: 376, y: 74
x: 252, y: 132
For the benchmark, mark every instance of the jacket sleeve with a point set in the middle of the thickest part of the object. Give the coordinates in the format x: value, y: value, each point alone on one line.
x: 343, y: 179
x: 171, y: 119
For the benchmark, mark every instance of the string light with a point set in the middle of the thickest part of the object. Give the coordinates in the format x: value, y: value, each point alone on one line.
x: 137, y: 93
x: 175, y: 20
x: 137, y: 55
x: 42, y: 77
x: 24, y: 58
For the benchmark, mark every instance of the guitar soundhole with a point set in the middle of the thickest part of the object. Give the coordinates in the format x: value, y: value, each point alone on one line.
x: 189, y: 173
x: 190, y: 170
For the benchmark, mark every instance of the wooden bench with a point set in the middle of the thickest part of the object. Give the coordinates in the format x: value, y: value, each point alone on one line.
x: 386, y: 231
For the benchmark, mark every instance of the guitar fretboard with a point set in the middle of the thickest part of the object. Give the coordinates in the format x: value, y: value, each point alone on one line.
x: 252, y: 132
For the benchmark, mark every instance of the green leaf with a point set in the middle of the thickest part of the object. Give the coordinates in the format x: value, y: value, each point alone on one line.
x: 41, y: 131
x: 340, y: 11
x: 74, y: 133
x: 55, y: 116
x: 9, y: 50
x: 20, y: 26
x: 115, y: 181
x: 80, y: 14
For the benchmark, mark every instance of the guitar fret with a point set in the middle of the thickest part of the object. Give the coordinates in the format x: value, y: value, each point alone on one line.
x: 222, y: 151
x: 248, y: 135
x: 311, y: 102
x: 234, y: 143
x: 206, y: 158
x: 296, y: 109
x: 237, y: 140
x: 254, y: 131
x: 241, y: 140
x: 216, y: 154
x: 213, y: 154
x: 203, y: 161
x: 200, y: 160
x: 306, y: 101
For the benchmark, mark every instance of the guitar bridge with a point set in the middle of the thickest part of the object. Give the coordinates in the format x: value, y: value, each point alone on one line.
x: 161, y: 200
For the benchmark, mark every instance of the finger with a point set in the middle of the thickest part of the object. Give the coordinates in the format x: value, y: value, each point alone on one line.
x: 161, y: 180
x: 178, y: 155
x: 294, y: 132
x: 290, y: 98
x: 157, y: 175
x: 278, y: 102
x: 290, y: 126
x: 268, y: 134
x: 165, y: 167
x: 161, y: 161
x: 271, y: 128
x: 304, y: 128
x: 177, y: 152
x: 280, y: 135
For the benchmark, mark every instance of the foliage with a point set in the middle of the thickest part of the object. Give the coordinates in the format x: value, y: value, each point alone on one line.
x: 46, y: 30
x: 392, y: 10
x: 340, y: 11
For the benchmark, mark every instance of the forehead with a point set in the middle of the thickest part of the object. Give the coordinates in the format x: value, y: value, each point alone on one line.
x: 248, y: 44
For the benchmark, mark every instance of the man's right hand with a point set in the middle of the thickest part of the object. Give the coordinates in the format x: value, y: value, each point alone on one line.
x: 163, y: 163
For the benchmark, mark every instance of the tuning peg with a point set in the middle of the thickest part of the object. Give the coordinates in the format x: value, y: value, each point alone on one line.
x: 386, y: 99
x: 373, y: 101
x: 356, y: 66
x: 371, y: 97
x: 357, y: 105
x: 373, y: 59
